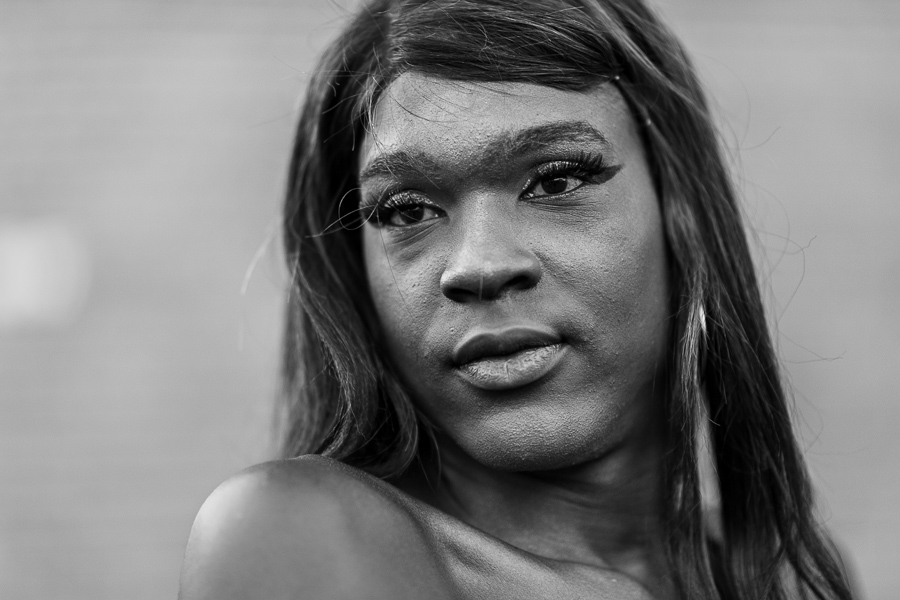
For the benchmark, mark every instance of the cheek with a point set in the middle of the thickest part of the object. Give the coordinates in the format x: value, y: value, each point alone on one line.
x: 639, y: 278
x: 399, y: 285
x: 638, y: 273
x: 619, y: 271
x: 616, y: 262
x: 643, y: 292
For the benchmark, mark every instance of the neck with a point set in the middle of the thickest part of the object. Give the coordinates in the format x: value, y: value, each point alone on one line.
x: 604, y: 513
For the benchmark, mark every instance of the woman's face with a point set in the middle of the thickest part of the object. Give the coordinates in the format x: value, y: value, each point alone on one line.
x: 515, y: 255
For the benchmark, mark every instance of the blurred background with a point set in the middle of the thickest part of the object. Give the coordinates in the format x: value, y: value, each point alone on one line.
x: 143, y: 146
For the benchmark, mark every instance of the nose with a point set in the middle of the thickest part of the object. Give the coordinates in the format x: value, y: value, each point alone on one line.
x: 488, y: 262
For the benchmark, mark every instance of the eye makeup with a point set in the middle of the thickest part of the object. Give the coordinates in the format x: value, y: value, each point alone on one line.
x: 585, y: 167
x: 398, y: 206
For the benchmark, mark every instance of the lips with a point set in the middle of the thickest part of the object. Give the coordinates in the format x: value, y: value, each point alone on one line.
x: 507, y: 358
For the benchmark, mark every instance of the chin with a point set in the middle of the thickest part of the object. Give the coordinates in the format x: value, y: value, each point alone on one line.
x: 537, y: 442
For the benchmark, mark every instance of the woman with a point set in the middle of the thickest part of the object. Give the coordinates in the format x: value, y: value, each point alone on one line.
x: 521, y: 297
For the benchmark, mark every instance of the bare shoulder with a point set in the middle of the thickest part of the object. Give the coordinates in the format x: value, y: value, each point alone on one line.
x: 307, y: 528
x: 313, y: 528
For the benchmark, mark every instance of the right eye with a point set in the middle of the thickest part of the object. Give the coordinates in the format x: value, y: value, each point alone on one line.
x: 402, y: 211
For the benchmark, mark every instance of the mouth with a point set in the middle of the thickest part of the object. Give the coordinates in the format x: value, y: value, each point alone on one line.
x: 509, y: 358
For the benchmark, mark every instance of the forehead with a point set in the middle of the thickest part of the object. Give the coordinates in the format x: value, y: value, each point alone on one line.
x: 426, y: 115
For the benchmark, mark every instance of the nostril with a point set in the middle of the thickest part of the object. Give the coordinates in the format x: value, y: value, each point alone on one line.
x: 484, y: 282
x: 520, y: 282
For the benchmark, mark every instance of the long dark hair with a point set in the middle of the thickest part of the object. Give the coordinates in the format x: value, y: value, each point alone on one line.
x: 341, y: 397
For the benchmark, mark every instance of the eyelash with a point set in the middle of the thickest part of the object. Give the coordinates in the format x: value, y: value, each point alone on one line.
x: 379, y: 212
x: 590, y: 168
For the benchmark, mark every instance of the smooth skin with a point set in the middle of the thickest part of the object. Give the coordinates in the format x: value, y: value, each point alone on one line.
x: 491, y: 207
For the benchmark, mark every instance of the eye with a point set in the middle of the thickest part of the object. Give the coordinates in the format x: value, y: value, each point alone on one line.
x: 403, y: 210
x: 555, y: 184
x: 561, y: 177
x: 409, y: 214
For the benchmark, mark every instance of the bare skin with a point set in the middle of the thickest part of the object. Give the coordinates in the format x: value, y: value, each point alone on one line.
x: 314, y: 528
x: 522, y: 289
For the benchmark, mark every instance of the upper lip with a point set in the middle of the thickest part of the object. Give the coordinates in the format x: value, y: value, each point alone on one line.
x: 479, y: 344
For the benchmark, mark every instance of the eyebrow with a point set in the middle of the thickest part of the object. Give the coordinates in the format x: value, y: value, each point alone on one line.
x: 515, y: 143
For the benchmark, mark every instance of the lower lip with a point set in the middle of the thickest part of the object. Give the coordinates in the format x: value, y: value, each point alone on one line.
x: 513, y: 370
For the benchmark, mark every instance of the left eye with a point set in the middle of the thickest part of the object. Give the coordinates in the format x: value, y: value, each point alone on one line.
x: 554, y: 185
